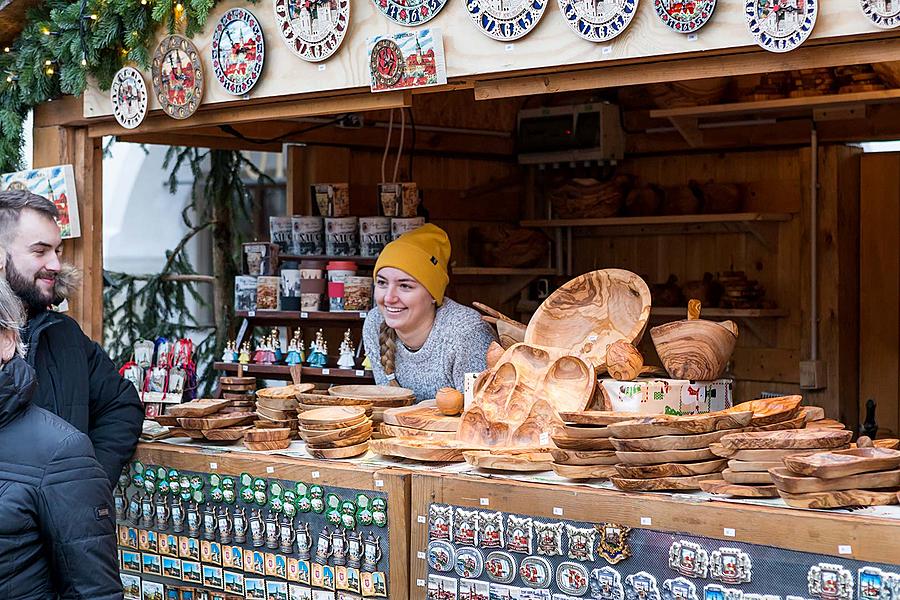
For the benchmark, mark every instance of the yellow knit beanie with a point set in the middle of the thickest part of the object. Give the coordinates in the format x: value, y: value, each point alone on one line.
x: 423, y: 253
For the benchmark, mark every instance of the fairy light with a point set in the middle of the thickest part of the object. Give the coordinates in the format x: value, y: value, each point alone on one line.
x: 6, y: 49
x: 179, y: 11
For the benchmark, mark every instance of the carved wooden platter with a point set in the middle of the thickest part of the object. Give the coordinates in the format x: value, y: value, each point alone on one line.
x: 767, y: 411
x: 499, y: 461
x: 166, y: 420
x: 770, y: 455
x: 267, y: 435
x: 597, y: 417
x: 663, y: 483
x: 813, y: 413
x: 396, y: 431
x: 422, y: 449
x: 197, y: 408
x: 840, y: 499
x: 657, y: 425
x: 275, y: 415
x: 319, y: 400
x: 798, y: 422
x: 270, y: 445
x: 795, y: 438
x: 285, y: 391
x: 584, y: 471
x: 831, y: 465
x: 226, y: 434
x: 667, y: 456
x: 670, y: 469
x: 215, y: 422
x: 584, y: 457
x: 279, y: 404
x: 667, y: 442
x: 423, y: 415
x: 585, y: 431
x: 372, y: 392
x: 347, y: 436
x: 570, y: 443
x: 746, y: 466
x: 569, y: 384
x: 740, y: 491
x: 333, y: 415
x: 826, y: 424
x: 338, y: 453
x: 792, y: 483
x: 747, y: 477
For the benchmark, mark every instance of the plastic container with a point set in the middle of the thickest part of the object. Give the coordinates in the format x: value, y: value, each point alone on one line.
x: 335, y: 296
x: 342, y: 236
x: 358, y: 293
x: 308, y: 235
x: 340, y: 270
x: 374, y: 235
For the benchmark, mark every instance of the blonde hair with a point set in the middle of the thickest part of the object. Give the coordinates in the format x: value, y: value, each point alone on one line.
x: 12, y: 315
x: 387, y: 342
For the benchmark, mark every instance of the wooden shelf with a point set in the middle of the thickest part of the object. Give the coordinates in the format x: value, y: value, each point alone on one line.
x: 662, y: 220
x: 360, y: 260
x: 719, y: 313
x: 487, y: 271
x: 291, y: 316
x: 284, y: 372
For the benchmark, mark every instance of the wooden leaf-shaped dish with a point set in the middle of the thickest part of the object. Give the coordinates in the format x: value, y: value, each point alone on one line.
x: 667, y: 442
x: 597, y: 417
x: 568, y: 384
x: 421, y: 449
x: 658, y: 458
x: 285, y: 391
x: 500, y: 461
x: 590, y: 312
x: 670, y: 469
x: 770, y: 410
x: 657, y: 425
x: 792, y: 483
x: 663, y: 483
x: 371, y: 392
x: 840, y: 499
x: 423, y: 415
x: 584, y: 471
x: 740, y: 491
x: 831, y: 465
x: 584, y: 457
x: 793, y: 438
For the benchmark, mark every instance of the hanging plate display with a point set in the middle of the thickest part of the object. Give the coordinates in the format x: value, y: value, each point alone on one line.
x: 441, y: 556
x: 684, y: 16
x: 506, y: 21
x: 410, y: 12
x: 780, y: 25
x: 572, y: 578
x: 598, y: 20
x: 883, y: 13
x: 238, y: 51
x: 177, y: 76
x: 312, y: 29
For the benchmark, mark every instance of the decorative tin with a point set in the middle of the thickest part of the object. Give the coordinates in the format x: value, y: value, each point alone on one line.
x: 506, y: 21
x: 491, y: 530
x: 238, y: 51
x: 598, y: 20
x: 312, y: 29
x: 882, y: 13
x: 411, y: 13
x: 606, y: 584
x: 730, y: 565
x: 679, y: 589
x: 689, y: 559
x: 581, y: 543
x: 465, y: 527
x: 572, y: 578
x: 830, y: 582
x: 520, y: 533
x: 536, y: 572
x: 177, y: 76
x: 780, y: 25
x: 441, y: 556
x: 128, y: 94
x: 641, y: 586
x: 469, y: 563
x: 613, y: 542
x: 500, y: 567
x: 684, y: 17
x: 717, y: 592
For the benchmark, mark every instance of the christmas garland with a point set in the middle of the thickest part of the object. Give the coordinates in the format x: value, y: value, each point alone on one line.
x: 64, y: 43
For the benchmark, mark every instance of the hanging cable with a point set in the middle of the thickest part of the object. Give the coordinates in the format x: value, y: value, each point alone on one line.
x: 400, y: 147
x: 387, y: 145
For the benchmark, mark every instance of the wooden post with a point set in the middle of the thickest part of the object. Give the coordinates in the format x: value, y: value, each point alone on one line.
x: 55, y: 145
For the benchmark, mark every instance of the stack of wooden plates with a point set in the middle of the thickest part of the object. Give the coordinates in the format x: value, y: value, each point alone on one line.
x: 381, y: 397
x: 207, y: 419
x: 241, y: 391
x: 336, y: 431
x: 313, y: 401
x: 521, y: 460
x: 666, y: 452
x: 864, y: 476
x: 751, y: 454
x: 267, y: 438
x: 278, y: 405
x: 419, y: 420
x: 584, y: 449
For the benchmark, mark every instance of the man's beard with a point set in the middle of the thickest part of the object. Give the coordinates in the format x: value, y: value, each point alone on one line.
x: 26, y: 289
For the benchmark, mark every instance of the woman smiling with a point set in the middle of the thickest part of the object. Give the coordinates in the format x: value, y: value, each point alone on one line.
x: 415, y: 337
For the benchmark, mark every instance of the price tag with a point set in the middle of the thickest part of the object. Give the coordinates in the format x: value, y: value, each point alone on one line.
x: 379, y: 483
x: 544, y: 439
x: 646, y: 521
x: 360, y: 373
x: 845, y: 550
x: 213, y: 466
x: 304, y: 315
x: 321, y: 68
x: 270, y: 470
x: 728, y: 532
x: 251, y: 313
x: 558, y: 511
x: 485, y: 501
x: 363, y: 314
x: 692, y: 37
x: 606, y: 50
x: 315, y: 474
x: 420, y: 555
x: 509, y: 47
x: 420, y: 582
x: 421, y: 519
x: 326, y: 371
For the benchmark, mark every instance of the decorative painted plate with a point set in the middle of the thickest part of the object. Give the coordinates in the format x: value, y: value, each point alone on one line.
x: 238, y: 51
x: 598, y: 20
x: 469, y: 563
x: 441, y: 556
x: 780, y: 25
x: 883, y: 13
x: 177, y: 76
x: 312, y: 29
x: 410, y: 12
x: 128, y: 95
x: 572, y: 578
x: 506, y: 20
x: 500, y: 567
x: 536, y: 572
x: 684, y: 16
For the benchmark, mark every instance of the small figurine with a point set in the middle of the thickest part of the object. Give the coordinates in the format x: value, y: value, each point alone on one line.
x: 244, y: 357
x: 229, y: 354
x: 260, y: 355
x: 348, y: 352
x: 177, y: 515
x: 275, y: 345
x: 318, y: 351
x: 295, y: 350
x: 272, y: 536
x: 366, y: 363
x: 240, y: 525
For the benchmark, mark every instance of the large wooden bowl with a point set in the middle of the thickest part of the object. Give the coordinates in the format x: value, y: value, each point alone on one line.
x: 695, y: 349
x: 590, y: 312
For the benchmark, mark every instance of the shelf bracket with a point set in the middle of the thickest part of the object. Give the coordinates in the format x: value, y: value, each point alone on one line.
x: 689, y: 130
x: 752, y: 328
x: 754, y: 230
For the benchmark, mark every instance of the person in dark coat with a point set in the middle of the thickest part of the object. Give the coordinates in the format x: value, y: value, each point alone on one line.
x: 76, y: 380
x: 57, y: 521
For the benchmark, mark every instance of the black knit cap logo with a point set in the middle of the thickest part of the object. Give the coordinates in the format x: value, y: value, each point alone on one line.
x: 434, y: 261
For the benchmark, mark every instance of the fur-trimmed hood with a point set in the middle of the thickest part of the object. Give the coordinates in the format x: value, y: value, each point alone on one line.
x: 67, y: 281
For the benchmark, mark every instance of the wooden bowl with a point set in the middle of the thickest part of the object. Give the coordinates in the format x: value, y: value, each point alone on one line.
x: 695, y: 349
x: 590, y: 312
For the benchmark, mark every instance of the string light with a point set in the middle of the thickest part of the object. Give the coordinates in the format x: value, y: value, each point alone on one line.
x: 11, y: 77
x: 179, y: 11
x: 6, y: 49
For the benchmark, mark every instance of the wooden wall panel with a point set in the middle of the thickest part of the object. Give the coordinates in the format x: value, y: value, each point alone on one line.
x: 879, y: 280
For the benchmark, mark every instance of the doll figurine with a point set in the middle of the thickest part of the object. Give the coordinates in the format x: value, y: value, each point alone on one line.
x: 294, y: 350
x: 275, y: 345
x: 244, y: 358
x: 347, y: 357
x: 318, y: 352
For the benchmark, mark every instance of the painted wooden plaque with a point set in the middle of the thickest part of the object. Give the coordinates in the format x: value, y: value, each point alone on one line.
x: 238, y: 51
x: 177, y: 76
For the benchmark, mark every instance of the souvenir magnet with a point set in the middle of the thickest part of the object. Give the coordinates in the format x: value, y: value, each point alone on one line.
x: 779, y: 29
x: 163, y: 512
x: 689, y: 559
x: 303, y: 539
x: 333, y: 517
x: 613, y: 545
x: 465, y: 527
x: 548, y: 538
x: 147, y: 512
x: 598, y: 21
x: 474, y: 590
x: 177, y: 513
x: 581, y: 543
x: 679, y: 589
x: 717, y: 592
x: 239, y: 522
x: 379, y: 518
x: 290, y: 510
x: 364, y: 516
x: 606, y: 584
x: 323, y: 546
x: 536, y: 572
x: 830, y: 582
x: 440, y: 522
x: 257, y: 529
x: 371, y: 552
x: 216, y: 495
x: 348, y: 521
x: 209, y: 523
x: 304, y: 504
x: 572, y: 578
x: 875, y: 584
x: 271, y: 530
x: 491, y: 525
x: 641, y: 586
x: 469, y: 563
x: 354, y: 549
x: 229, y: 496
x: 500, y: 567
x: 338, y: 547
x: 317, y: 504
x: 380, y: 504
x: 276, y: 505
x: 520, y: 532
x: 362, y: 501
x: 441, y: 588
x: 226, y: 525
x: 730, y: 565
x: 238, y: 51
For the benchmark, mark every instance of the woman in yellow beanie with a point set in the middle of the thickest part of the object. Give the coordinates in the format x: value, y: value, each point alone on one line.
x: 415, y: 337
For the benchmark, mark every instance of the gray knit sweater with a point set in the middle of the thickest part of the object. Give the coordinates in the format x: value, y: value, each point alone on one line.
x: 456, y: 345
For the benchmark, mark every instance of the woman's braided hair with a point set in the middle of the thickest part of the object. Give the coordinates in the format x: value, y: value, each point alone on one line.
x: 387, y: 341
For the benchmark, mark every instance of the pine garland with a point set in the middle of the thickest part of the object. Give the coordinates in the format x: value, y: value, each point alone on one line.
x: 65, y: 43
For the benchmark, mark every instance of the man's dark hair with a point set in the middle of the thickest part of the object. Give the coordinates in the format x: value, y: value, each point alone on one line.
x: 13, y: 202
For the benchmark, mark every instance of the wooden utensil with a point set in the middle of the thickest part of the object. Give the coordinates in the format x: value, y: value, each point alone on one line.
x: 739, y: 491
x: 667, y: 442
x: 581, y: 472
x: 795, y: 438
x: 695, y: 349
x: 746, y: 466
x: 398, y: 431
x: 339, y: 453
x: 656, y: 425
x: 584, y: 457
x: 747, y: 477
x: 215, y: 422
x: 496, y: 314
x: 570, y: 443
x: 790, y: 482
x: 423, y: 415
x: 270, y: 445
x: 590, y: 312
x: 197, y: 408
x: 597, y: 417
x: 767, y: 411
x: 667, y: 456
x: 840, y: 499
x: 670, y: 469
x: 267, y: 435
x: 226, y: 434
x: 831, y: 465
x: 585, y: 431
x: 771, y: 455
x: 663, y: 483
x: 499, y: 461
x: 421, y: 449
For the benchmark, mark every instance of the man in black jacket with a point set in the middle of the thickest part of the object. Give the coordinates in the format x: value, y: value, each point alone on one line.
x: 76, y: 380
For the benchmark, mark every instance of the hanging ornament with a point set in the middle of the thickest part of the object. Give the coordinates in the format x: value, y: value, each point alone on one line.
x: 781, y: 25
x: 506, y: 21
x: 238, y: 51
x: 128, y: 94
x: 312, y: 29
x: 177, y: 76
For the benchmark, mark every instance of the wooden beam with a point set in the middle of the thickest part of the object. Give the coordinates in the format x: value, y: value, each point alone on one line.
x: 742, y: 62
x: 66, y: 110
x: 188, y: 138
x: 231, y: 115
x: 689, y: 130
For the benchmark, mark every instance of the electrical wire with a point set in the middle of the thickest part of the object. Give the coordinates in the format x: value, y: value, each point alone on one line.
x: 281, y: 138
x: 400, y: 147
x: 387, y: 145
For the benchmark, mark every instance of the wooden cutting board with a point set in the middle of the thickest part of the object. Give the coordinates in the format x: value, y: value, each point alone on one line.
x: 584, y: 457
x: 570, y: 443
x: 581, y: 472
x: 747, y: 477
x: 657, y: 425
x: 215, y: 422
x: 770, y: 455
x: 670, y: 469
x: 424, y: 416
x: 767, y: 411
x: 793, y: 439
x: 840, y: 499
x: 746, y: 466
x: 166, y: 420
x: 831, y: 465
x: 338, y: 453
x: 663, y: 483
x: 396, y: 431
x: 197, y: 408
x: 792, y: 483
x: 667, y: 442
x: 667, y: 456
x: 739, y: 491
x: 523, y: 462
x: 421, y: 449
x: 226, y: 434
x: 597, y: 417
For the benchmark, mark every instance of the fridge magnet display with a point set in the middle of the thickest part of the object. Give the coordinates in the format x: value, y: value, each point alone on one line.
x: 177, y: 76
x: 271, y: 569
x: 684, y: 17
x: 299, y: 592
x: 520, y: 532
x: 548, y: 538
x: 506, y: 22
x: 875, y: 584
x: 238, y: 51
x: 410, y: 13
x: 465, y: 527
x: 882, y: 13
x: 151, y: 590
x: 171, y: 567
x: 613, y: 545
x: 56, y: 184
x: 689, y: 559
x: 536, y: 572
x: 830, y: 582
x: 572, y: 578
x: 234, y: 582
x: 212, y: 577
x: 679, y: 589
x: 441, y: 556
x: 312, y: 30
x: 409, y: 59
x: 641, y: 586
x: 469, y: 563
x: 131, y: 561
x: 470, y: 589
x: 777, y: 28
x: 717, y: 592
x: 598, y: 21
x: 128, y: 95
x: 491, y: 525
x: 606, y: 584
x: 581, y: 543
x: 254, y: 588
x: 730, y: 565
x: 500, y: 567
x: 151, y: 564
x: 276, y: 590
x: 190, y: 571
x: 131, y: 586
x: 322, y: 595
x: 441, y: 588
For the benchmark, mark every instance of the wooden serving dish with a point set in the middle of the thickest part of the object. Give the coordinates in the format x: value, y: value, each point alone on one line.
x: 597, y: 417
x: 769, y: 455
x: 405, y: 432
x: 320, y: 400
x: 590, y: 312
x: 840, y: 499
x: 267, y: 435
x: 747, y: 477
x: 282, y: 404
x: 584, y: 432
x: 663, y: 483
x: 334, y: 417
x: 569, y: 384
x: 498, y: 460
x: 570, y: 443
x: 798, y: 422
x: 790, y: 482
x: 767, y: 411
x: 739, y: 491
x: 324, y: 437
x: 166, y: 420
x: 667, y: 456
x: 584, y: 457
x: 421, y: 449
x: 794, y: 439
x: 270, y: 445
x: 275, y: 415
x: 670, y: 469
x: 338, y: 453
x: 695, y: 349
x: 197, y: 408
x: 226, y: 434
x: 581, y: 472
x: 746, y: 466
x: 215, y: 422
x: 423, y: 415
x: 831, y: 465
x: 657, y: 425
x: 285, y: 392
x: 667, y: 442
x: 233, y: 380
x: 826, y: 424
x: 355, y: 440
x: 813, y: 413
x: 372, y: 392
